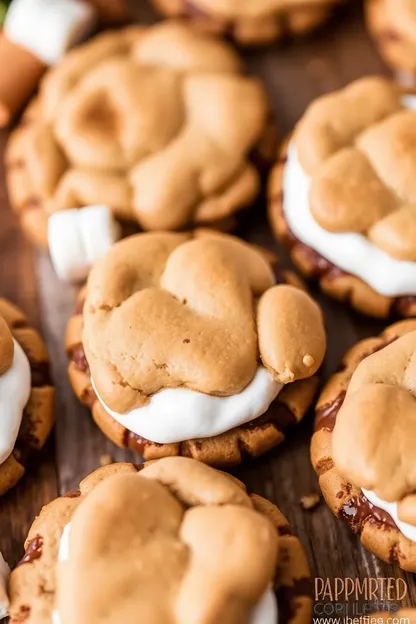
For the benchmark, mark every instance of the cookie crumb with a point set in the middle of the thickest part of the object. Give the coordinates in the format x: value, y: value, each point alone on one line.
x: 308, y: 360
x: 310, y: 501
x: 106, y: 459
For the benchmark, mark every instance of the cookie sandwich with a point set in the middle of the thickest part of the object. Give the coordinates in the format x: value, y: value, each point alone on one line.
x: 392, y: 24
x: 26, y: 394
x: 188, y: 344
x: 363, y: 445
x: 164, y: 533
x: 158, y: 124
x: 251, y: 23
x: 343, y: 196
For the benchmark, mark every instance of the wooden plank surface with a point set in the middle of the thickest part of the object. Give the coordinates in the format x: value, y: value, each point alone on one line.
x: 293, y: 75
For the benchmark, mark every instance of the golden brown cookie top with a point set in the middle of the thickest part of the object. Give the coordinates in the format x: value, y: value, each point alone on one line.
x: 373, y: 440
x: 359, y: 147
x: 247, y: 8
x: 162, y: 118
x: 198, y: 311
x: 165, y: 534
x: 6, y: 346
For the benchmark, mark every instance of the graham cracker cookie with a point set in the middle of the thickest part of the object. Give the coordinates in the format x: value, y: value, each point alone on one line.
x: 163, y: 342
x: 172, y: 548
x: 258, y: 23
x: 160, y: 124
x: 365, y: 413
x: 26, y: 394
x: 392, y: 24
x: 350, y: 224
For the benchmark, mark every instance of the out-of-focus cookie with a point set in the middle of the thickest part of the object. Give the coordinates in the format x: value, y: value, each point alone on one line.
x: 26, y: 394
x: 342, y: 196
x: 189, y: 344
x: 392, y: 23
x: 363, y: 445
x: 251, y: 23
x: 155, y: 545
x: 159, y: 123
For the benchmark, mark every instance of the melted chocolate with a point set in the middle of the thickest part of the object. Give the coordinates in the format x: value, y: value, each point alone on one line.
x: 326, y: 416
x: 33, y: 550
x: 359, y: 509
x: 79, y: 359
x: 40, y: 374
x: 73, y: 494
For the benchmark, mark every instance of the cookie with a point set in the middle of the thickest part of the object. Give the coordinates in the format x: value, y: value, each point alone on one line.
x: 342, y: 197
x: 164, y: 534
x: 392, y: 24
x: 26, y: 394
x: 251, y: 23
x: 366, y: 412
x: 189, y: 344
x: 159, y: 123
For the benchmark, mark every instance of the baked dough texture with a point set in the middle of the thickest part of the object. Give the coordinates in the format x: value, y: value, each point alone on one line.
x: 357, y: 146
x: 251, y: 23
x: 199, y: 311
x: 159, y: 123
x: 156, y: 544
x: 392, y: 23
x: 364, y: 438
x: 38, y: 415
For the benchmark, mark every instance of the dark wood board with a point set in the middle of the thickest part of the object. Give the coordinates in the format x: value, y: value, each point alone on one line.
x: 294, y: 74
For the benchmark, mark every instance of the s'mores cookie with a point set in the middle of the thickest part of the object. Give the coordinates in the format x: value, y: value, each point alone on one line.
x: 189, y: 344
x: 364, y: 443
x: 177, y: 542
x: 26, y: 394
x: 342, y: 196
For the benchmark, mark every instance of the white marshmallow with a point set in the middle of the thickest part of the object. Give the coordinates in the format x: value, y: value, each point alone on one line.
x: 178, y: 414
x: 266, y: 612
x: 15, y: 386
x: 408, y: 530
x: 353, y: 253
x: 78, y: 237
x: 48, y: 28
x: 4, y: 577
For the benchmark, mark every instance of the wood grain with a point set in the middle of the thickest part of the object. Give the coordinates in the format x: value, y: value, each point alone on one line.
x: 294, y: 75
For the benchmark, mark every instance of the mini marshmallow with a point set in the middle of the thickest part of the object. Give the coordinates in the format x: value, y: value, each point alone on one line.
x: 48, y: 28
x: 78, y: 237
x: 4, y: 577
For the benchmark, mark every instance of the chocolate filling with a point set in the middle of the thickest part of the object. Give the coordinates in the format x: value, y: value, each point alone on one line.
x: 358, y: 509
x: 33, y: 550
x: 73, y: 494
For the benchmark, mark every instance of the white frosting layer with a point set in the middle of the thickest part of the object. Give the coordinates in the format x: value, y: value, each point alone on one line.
x: 408, y: 530
x: 48, y: 28
x: 4, y: 577
x: 266, y: 611
x: 78, y: 237
x: 353, y: 253
x: 15, y: 385
x: 178, y: 414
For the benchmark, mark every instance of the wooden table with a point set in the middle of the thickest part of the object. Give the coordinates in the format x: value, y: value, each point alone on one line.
x: 294, y: 75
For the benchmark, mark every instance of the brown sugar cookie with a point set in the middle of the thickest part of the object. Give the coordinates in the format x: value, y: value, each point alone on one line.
x: 363, y: 445
x: 342, y: 196
x: 160, y: 124
x: 164, y: 532
x: 392, y: 24
x: 189, y: 344
x: 251, y: 23
x: 26, y: 394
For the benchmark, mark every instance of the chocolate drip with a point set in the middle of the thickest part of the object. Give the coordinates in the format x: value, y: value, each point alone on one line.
x: 33, y: 550
x: 326, y: 416
x: 359, y: 509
